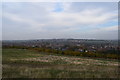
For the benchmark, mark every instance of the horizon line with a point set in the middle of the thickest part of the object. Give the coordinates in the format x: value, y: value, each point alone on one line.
x: 59, y: 38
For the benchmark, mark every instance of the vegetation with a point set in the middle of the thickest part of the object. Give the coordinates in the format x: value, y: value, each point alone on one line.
x: 36, y: 63
x: 105, y: 54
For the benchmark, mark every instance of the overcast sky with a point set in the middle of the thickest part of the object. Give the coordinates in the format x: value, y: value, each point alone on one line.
x: 40, y: 20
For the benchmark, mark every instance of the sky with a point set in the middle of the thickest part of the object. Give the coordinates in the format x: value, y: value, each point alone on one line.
x: 49, y: 20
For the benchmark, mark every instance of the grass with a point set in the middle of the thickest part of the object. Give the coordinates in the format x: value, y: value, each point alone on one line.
x: 22, y: 63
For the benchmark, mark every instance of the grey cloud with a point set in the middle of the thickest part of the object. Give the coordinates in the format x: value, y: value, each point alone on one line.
x: 38, y: 20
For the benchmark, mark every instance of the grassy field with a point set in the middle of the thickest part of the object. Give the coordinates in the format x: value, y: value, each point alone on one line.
x: 22, y: 63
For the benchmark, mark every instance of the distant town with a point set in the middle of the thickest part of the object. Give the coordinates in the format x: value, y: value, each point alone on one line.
x: 81, y: 45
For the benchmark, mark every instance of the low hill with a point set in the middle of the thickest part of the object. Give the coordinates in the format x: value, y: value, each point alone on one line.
x: 23, y: 63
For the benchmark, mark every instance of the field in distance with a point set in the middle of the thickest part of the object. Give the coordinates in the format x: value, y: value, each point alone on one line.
x: 23, y: 63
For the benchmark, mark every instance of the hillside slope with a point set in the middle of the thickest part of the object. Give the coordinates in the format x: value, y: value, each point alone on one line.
x: 22, y: 63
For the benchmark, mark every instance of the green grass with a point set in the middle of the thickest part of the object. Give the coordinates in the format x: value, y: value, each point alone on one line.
x: 21, y: 63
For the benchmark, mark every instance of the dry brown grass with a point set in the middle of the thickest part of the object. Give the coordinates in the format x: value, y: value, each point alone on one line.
x: 30, y: 64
